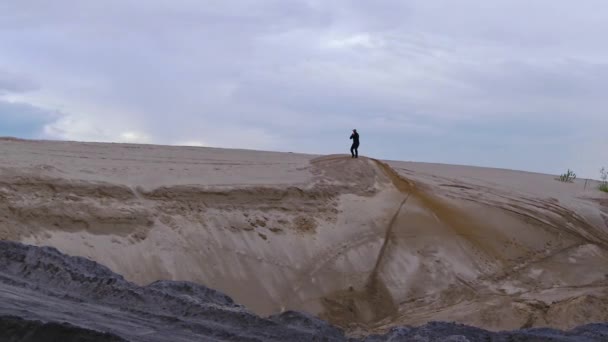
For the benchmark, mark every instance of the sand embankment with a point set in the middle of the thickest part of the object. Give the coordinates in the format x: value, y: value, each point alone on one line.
x: 360, y: 242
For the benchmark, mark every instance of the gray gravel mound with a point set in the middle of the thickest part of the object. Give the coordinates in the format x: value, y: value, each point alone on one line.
x: 443, y: 331
x: 16, y: 329
x: 52, y: 294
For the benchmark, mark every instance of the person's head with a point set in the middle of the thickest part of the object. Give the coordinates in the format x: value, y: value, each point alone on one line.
x: 354, y: 131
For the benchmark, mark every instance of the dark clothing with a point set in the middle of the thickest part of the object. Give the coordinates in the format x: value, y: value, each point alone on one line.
x: 354, y: 148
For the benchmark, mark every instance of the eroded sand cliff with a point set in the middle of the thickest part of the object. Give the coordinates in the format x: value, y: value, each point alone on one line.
x: 363, y: 243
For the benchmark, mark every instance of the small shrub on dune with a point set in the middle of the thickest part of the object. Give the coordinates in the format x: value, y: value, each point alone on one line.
x: 604, y: 178
x: 567, y: 177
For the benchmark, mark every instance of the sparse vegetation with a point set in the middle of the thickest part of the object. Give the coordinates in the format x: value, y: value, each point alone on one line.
x: 568, y: 177
x: 604, y: 178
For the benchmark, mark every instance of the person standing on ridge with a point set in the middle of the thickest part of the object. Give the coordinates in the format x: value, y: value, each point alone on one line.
x: 355, y: 146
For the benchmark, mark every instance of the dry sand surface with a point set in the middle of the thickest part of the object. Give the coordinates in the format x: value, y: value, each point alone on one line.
x: 363, y: 243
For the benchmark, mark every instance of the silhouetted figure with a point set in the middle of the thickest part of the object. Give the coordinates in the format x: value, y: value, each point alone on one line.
x: 355, y: 146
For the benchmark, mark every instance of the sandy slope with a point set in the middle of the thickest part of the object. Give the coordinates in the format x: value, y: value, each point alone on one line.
x: 49, y: 296
x: 363, y: 243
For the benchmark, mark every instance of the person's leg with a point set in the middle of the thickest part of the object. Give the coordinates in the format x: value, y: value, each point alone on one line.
x: 357, y: 151
x: 352, y: 150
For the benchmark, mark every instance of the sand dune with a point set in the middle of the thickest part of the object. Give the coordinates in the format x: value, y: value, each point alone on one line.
x: 363, y: 243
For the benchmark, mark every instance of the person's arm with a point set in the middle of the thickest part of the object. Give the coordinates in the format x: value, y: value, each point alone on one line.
x: 351, y: 136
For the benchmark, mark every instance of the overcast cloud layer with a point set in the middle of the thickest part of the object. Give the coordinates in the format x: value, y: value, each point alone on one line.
x: 503, y: 83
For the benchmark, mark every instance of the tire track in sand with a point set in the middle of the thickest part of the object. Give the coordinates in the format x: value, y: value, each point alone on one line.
x: 387, y: 236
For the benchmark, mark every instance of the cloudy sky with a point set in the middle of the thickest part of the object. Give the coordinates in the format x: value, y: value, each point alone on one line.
x: 506, y: 83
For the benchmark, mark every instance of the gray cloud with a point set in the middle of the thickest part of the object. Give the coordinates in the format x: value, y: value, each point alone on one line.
x: 414, y: 77
x: 18, y: 118
x: 13, y: 83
